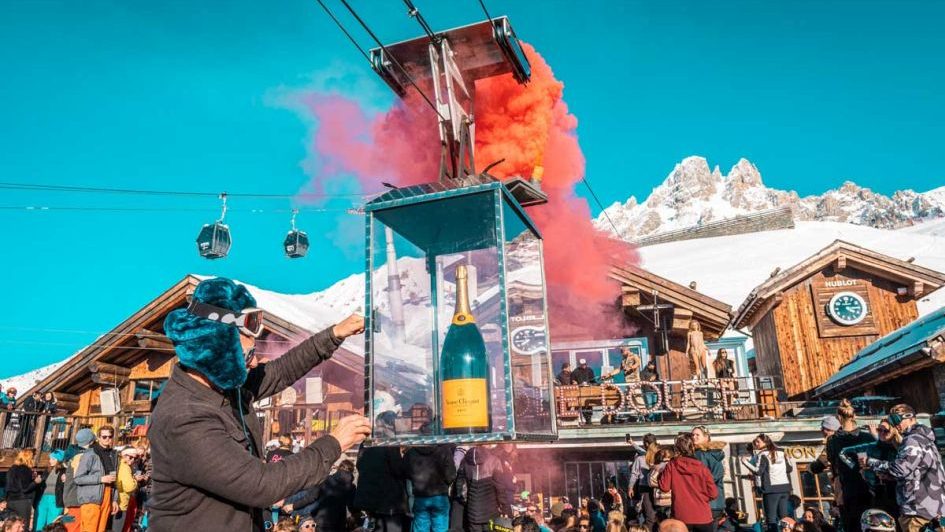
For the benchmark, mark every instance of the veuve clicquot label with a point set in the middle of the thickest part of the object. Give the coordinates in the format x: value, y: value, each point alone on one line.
x: 464, y: 370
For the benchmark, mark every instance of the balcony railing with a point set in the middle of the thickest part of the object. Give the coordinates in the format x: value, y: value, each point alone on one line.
x: 736, y: 399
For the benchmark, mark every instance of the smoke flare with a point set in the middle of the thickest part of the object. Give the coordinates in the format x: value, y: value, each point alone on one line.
x: 531, y: 128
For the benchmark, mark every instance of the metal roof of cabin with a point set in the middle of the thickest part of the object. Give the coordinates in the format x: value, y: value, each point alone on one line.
x: 899, y: 345
x: 449, y: 187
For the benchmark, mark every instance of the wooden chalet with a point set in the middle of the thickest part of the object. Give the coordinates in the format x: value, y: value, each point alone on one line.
x: 809, y: 320
x: 665, y: 327
x: 135, y: 358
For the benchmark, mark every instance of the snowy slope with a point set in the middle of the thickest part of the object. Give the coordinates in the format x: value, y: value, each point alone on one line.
x: 28, y: 380
x: 693, y: 194
x: 728, y: 268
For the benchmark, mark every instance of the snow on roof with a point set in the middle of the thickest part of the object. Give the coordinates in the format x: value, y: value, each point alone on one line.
x: 727, y: 268
x: 895, y: 345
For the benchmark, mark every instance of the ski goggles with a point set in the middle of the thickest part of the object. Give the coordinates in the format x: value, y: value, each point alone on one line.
x: 896, y: 419
x: 249, y: 321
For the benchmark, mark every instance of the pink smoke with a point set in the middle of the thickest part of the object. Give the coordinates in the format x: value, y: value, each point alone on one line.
x: 528, y: 126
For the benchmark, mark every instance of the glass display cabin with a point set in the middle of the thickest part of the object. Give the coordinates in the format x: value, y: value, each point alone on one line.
x: 418, y: 239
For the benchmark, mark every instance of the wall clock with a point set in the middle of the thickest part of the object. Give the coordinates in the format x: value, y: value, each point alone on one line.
x: 847, y: 308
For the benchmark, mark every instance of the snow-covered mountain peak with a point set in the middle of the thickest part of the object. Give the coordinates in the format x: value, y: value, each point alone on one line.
x: 692, y: 195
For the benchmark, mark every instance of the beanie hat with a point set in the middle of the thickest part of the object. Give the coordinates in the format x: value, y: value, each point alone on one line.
x: 208, y: 346
x: 59, y: 456
x: 84, y: 437
x: 830, y: 423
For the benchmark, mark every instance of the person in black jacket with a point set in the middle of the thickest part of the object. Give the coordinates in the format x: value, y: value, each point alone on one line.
x: 855, y: 491
x: 50, y: 490
x: 382, y: 488
x: 21, y: 484
x: 431, y: 470
x: 206, y: 439
x: 328, y: 503
x: 584, y: 376
x: 487, y: 495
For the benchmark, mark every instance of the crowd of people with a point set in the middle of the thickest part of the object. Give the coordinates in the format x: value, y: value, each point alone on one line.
x: 205, y: 467
x: 92, y: 486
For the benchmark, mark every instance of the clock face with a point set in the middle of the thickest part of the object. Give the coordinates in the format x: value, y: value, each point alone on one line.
x: 529, y: 340
x: 847, y: 308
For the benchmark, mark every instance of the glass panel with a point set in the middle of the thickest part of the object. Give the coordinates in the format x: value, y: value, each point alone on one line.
x: 584, y: 469
x: 598, y: 480
x: 484, y: 294
x: 614, y: 357
x: 402, y: 343
x: 528, y: 332
x: 595, y: 359
x: 571, y: 482
x: 558, y: 358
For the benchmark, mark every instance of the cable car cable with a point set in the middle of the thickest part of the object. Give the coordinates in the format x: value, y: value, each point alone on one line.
x: 345, y: 31
x: 413, y: 12
x: 603, y: 210
x: 484, y: 10
x: 392, y: 58
x: 108, y: 190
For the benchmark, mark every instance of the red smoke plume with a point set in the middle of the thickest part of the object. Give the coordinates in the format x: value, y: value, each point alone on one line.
x: 528, y: 126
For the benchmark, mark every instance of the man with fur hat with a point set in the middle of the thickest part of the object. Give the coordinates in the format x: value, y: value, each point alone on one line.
x: 206, y: 440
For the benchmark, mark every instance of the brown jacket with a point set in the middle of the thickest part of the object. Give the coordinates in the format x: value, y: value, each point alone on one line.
x: 207, y: 475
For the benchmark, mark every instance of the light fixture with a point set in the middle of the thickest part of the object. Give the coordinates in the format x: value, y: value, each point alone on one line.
x: 213, y: 242
x: 296, y: 242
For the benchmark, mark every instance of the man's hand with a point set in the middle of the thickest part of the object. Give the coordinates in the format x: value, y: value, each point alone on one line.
x: 108, y: 479
x: 353, y: 324
x: 288, y: 508
x: 114, y: 508
x: 351, y: 430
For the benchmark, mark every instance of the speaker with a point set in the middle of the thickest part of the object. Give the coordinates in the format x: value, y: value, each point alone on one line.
x: 111, y: 401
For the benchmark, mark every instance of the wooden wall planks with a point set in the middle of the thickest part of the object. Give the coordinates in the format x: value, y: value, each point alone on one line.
x: 789, y: 339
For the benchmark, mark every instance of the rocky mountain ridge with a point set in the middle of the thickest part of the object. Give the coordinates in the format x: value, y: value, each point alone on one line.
x: 693, y: 194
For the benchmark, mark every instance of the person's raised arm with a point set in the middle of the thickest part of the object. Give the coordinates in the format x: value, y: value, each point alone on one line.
x: 273, y: 377
x: 213, y: 461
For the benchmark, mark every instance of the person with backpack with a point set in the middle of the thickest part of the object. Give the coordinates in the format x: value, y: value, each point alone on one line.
x: 640, y: 487
x: 918, y: 470
x: 772, y: 468
x: 70, y: 491
x: 662, y: 498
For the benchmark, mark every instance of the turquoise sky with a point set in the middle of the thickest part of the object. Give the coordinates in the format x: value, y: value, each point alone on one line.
x: 194, y: 96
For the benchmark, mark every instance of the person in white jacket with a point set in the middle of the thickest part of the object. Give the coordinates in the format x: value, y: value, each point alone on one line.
x: 772, y: 468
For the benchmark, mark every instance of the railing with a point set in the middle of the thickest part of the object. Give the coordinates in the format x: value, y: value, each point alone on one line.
x: 740, y: 398
x: 45, y: 432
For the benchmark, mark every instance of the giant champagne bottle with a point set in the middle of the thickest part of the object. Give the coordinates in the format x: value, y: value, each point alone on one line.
x: 464, y: 370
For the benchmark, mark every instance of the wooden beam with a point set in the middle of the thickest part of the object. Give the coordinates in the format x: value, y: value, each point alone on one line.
x: 918, y: 288
x: 103, y: 367
x: 61, y: 397
x: 109, y: 379
x: 67, y: 406
x: 630, y: 297
x: 681, y: 319
x: 841, y: 263
x: 153, y: 340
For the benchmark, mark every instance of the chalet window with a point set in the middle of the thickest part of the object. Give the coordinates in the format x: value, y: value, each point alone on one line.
x: 146, y: 390
x: 816, y: 490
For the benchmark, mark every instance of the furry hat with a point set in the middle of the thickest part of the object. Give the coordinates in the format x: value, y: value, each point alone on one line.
x: 207, y: 346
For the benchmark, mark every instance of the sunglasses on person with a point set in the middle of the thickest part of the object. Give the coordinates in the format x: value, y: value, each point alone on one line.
x: 307, y: 526
x: 249, y: 320
x: 105, y: 436
x: 882, y: 430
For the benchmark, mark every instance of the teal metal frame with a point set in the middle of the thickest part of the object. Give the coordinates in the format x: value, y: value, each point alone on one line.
x: 421, y: 194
